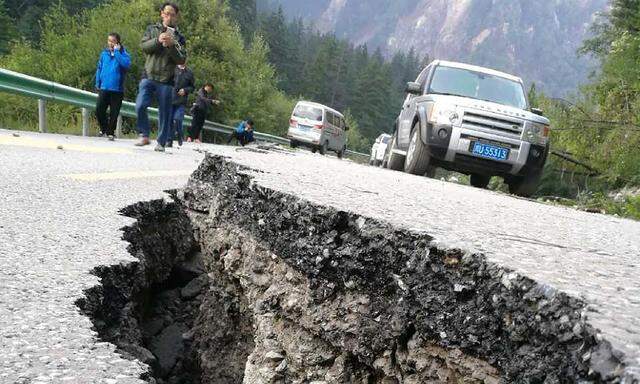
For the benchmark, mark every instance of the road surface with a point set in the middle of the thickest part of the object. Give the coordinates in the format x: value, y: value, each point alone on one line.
x: 58, y: 220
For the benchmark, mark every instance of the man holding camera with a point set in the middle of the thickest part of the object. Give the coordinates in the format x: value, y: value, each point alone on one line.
x: 164, y: 48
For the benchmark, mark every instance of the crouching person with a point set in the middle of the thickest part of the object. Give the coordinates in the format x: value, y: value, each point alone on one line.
x: 243, y: 133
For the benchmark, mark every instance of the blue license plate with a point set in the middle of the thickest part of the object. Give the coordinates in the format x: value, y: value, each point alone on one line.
x: 489, y: 151
x: 304, y: 128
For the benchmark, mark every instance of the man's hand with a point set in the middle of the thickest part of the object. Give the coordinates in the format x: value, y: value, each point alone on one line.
x: 117, y: 47
x: 216, y: 102
x: 166, y: 39
x: 182, y: 92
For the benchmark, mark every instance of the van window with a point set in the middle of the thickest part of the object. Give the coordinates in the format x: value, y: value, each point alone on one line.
x: 341, y: 120
x: 331, y: 118
x: 310, y: 112
x: 385, y: 139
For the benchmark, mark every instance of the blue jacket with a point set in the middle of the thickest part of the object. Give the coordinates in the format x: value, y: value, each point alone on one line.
x: 112, y: 70
x: 241, y: 130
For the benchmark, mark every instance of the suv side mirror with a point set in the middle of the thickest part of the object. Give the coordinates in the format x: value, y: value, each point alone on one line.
x: 537, y: 111
x: 413, y: 88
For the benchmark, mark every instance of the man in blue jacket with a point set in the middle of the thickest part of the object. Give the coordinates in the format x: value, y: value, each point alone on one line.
x: 243, y: 133
x: 112, y: 68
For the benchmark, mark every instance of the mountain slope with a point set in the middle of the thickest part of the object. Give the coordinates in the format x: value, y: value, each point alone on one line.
x: 536, y: 40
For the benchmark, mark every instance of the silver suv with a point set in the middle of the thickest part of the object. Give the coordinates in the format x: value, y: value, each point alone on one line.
x: 471, y: 120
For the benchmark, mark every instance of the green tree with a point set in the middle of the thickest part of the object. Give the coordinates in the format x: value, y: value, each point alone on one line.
x: 7, y: 29
x: 245, y: 14
x: 331, y: 71
x: 29, y: 13
x: 372, y: 100
x: 614, y: 98
x: 274, y: 30
x: 217, y: 53
x: 355, y: 140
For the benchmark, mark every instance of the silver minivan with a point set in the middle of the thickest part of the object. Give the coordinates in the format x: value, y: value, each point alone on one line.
x: 318, y: 127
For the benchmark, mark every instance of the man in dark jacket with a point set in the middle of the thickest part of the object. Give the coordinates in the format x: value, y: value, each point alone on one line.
x: 204, y: 100
x: 164, y: 48
x: 111, y: 70
x: 183, y: 87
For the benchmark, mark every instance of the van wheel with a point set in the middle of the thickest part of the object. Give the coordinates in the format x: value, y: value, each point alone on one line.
x: 480, y: 181
x: 314, y: 150
x: 323, y: 148
x: 395, y: 161
x: 418, y: 157
x: 341, y: 153
x: 293, y: 144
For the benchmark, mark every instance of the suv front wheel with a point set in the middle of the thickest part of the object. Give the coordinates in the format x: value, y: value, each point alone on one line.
x: 418, y: 157
x: 479, y: 181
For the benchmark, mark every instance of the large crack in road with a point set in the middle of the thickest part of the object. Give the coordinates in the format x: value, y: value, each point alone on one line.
x: 238, y: 283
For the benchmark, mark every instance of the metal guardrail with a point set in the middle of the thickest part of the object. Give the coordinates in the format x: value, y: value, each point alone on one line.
x: 44, y: 90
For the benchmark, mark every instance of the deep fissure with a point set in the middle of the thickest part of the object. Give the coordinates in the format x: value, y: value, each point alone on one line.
x: 238, y: 283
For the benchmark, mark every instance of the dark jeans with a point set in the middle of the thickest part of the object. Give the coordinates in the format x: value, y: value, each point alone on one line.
x: 147, y: 91
x: 176, y: 126
x: 113, y: 101
x: 242, y: 139
x: 197, y: 123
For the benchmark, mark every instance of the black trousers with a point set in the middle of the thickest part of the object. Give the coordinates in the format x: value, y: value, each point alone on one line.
x: 242, y: 139
x: 197, y: 123
x: 113, y: 101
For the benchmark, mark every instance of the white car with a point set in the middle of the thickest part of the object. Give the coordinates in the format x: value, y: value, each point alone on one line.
x: 378, y: 149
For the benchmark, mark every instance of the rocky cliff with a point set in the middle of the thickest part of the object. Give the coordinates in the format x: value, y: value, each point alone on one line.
x: 536, y: 40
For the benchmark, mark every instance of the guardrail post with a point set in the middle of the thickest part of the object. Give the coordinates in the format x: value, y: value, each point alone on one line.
x: 42, y: 116
x: 85, y: 122
x: 119, y: 127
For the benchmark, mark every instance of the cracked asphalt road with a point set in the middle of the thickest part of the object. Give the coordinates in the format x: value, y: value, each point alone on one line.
x: 58, y: 220
x: 589, y: 256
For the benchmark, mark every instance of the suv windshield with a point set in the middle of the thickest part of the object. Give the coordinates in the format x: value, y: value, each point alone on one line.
x: 308, y: 112
x: 482, y: 86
